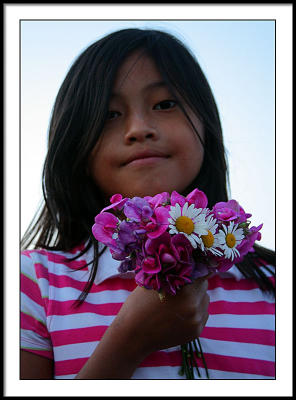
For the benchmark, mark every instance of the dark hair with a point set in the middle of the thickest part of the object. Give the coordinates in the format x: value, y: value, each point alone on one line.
x: 71, y: 198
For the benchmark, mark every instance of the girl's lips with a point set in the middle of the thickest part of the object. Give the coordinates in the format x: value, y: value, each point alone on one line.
x: 146, y: 157
x: 146, y: 160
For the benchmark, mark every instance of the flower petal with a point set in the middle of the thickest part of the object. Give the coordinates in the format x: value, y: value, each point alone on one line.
x: 190, y: 238
x: 177, y: 198
x: 184, y: 209
x: 198, y: 198
x: 104, y: 227
x: 161, y: 215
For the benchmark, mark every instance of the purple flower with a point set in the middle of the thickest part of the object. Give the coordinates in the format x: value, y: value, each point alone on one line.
x: 128, y: 240
x: 153, y: 221
x: 167, y: 263
x: 129, y: 232
x: 128, y: 264
x: 137, y: 209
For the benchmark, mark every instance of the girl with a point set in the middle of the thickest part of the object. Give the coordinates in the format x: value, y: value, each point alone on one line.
x: 135, y: 115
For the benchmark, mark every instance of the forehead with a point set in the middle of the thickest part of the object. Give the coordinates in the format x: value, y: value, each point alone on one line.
x: 137, y: 67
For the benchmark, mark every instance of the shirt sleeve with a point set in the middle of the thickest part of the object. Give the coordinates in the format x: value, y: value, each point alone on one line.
x: 34, y: 284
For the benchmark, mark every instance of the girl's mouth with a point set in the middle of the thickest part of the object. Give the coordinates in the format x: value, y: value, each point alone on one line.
x: 145, y: 158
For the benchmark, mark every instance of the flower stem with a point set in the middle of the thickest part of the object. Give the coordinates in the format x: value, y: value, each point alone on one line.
x: 203, y: 358
x: 161, y: 295
x: 193, y: 360
x: 188, y: 359
x: 190, y: 363
x: 196, y: 350
x: 185, y: 362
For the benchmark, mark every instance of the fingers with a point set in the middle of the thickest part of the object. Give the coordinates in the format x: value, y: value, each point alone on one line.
x: 202, y: 314
x: 204, y: 278
x: 198, y: 288
x: 202, y: 324
x: 202, y: 304
x: 201, y: 283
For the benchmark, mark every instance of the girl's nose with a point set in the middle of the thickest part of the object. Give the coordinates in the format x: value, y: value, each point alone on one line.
x: 138, y: 129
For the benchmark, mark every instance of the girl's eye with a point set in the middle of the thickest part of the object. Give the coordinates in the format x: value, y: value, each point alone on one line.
x: 113, y: 114
x: 165, y: 105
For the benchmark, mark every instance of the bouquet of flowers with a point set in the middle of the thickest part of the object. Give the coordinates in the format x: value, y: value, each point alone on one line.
x: 169, y: 240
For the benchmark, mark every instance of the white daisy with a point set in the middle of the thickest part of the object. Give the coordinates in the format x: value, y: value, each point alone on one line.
x: 229, y: 237
x: 210, y: 241
x: 189, y: 221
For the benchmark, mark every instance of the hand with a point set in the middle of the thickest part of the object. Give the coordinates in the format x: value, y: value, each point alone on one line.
x: 154, y: 325
x: 145, y: 324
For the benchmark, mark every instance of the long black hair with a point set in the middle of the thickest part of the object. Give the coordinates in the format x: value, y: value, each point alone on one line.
x: 71, y: 198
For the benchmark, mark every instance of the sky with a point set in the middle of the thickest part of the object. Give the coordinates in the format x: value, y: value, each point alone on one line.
x: 238, y: 58
x: 235, y: 45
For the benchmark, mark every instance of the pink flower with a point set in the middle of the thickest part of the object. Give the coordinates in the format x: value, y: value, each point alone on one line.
x: 224, y: 264
x: 196, y: 197
x: 104, y: 227
x: 230, y: 211
x: 151, y: 265
x: 158, y: 223
x: 167, y: 263
x: 117, y: 203
x: 149, y: 281
x: 177, y: 198
x: 158, y: 199
x: 246, y: 245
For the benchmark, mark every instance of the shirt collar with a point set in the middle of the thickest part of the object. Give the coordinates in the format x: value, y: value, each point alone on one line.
x: 107, y: 266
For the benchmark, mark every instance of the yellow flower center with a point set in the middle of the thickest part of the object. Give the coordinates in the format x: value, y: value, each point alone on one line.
x: 208, y: 240
x: 230, y: 240
x: 185, y: 224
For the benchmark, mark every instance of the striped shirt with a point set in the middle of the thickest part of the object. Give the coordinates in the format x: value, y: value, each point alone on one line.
x: 238, y: 340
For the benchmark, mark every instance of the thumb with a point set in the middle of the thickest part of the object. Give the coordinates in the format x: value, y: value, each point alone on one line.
x: 204, y: 278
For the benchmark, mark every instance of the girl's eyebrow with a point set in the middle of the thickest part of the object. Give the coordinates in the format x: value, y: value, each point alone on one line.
x: 155, y: 85
x: 147, y: 88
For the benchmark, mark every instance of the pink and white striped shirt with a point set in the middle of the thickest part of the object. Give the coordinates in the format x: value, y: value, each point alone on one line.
x: 238, y: 340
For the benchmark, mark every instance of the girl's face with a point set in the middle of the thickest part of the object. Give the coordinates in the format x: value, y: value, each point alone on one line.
x: 147, y: 145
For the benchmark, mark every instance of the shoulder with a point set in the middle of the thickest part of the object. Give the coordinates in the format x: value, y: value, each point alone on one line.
x: 234, y: 279
x: 235, y: 286
x: 48, y: 259
x: 235, y: 273
x: 48, y: 267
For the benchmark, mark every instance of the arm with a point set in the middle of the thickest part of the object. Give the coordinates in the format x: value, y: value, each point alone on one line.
x: 144, y: 325
x: 33, y: 366
x: 34, y: 331
x: 115, y: 357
